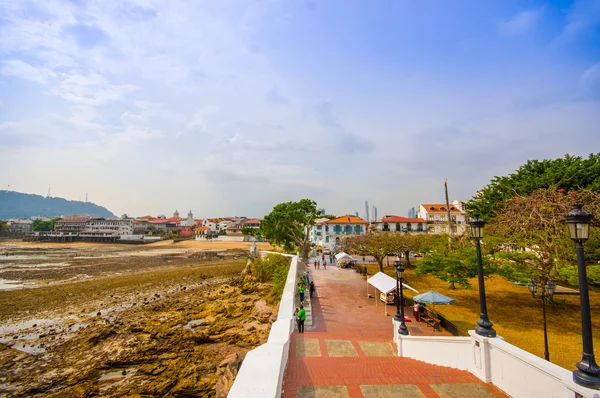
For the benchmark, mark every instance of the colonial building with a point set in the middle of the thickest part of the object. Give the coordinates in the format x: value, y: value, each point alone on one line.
x: 73, y: 224
x: 189, y: 221
x: 401, y: 224
x: 330, y: 233
x: 20, y: 226
x: 436, y: 217
x: 110, y: 226
x: 252, y: 223
x: 201, y: 232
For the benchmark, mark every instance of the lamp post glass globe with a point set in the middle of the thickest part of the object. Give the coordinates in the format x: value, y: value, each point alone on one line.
x: 533, y: 285
x: 578, y: 221
x: 476, y: 228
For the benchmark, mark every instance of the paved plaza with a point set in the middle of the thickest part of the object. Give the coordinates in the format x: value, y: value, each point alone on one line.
x: 348, y: 351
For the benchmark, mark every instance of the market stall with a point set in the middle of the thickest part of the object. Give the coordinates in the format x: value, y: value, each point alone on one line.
x: 386, y: 285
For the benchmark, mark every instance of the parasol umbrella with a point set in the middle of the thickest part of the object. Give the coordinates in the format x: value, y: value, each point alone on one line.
x: 433, y: 297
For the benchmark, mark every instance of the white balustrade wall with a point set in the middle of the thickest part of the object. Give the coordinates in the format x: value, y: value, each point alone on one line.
x: 493, y: 360
x: 261, y: 373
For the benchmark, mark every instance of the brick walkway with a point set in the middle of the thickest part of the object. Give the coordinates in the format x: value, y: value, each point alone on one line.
x: 349, y: 352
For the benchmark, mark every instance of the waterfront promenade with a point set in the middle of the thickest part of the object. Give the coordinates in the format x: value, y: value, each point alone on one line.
x: 348, y: 351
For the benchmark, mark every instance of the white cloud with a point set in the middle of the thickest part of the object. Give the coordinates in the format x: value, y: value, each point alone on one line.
x: 582, y: 15
x: 591, y: 76
x: 23, y: 70
x: 521, y: 23
x: 212, y: 99
x: 91, y: 89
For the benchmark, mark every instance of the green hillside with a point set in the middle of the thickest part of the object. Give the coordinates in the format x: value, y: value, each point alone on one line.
x: 23, y: 205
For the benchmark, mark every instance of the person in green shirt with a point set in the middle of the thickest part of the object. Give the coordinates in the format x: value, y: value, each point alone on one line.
x: 301, y: 314
x: 301, y: 292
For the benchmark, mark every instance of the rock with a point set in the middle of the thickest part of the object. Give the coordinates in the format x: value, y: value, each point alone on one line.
x: 262, y: 310
x: 250, y: 326
x: 228, y: 369
x: 229, y: 359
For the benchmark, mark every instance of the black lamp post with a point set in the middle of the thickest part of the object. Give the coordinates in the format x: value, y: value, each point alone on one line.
x: 588, y: 373
x: 484, y: 326
x: 402, y: 329
x: 546, y: 294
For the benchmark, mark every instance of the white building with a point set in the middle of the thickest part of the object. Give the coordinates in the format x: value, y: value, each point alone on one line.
x: 189, y: 221
x: 401, y: 224
x: 436, y: 217
x: 330, y: 233
x: 20, y: 226
x: 73, y: 224
x: 115, y: 226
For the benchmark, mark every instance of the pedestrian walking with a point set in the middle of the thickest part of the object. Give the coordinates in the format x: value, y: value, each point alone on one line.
x: 312, y: 288
x: 323, y: 257
x: 315, y: 264
x: 318, y: 265
x: 324, y: 265
x: 301, y: 292
x: 416, y: 309
x: 301, y: 314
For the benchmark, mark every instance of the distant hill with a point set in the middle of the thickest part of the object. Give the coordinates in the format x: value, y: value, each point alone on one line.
x: 24, y: 205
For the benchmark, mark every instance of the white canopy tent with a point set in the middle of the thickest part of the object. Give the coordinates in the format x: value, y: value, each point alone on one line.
x: 385, y: 284
x: 344, y: 257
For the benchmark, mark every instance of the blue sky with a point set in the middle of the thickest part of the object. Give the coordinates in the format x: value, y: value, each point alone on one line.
x: 229, y: 107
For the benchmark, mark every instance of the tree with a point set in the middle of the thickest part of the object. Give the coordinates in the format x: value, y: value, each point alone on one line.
x: 249, y: 231
x: 571, y: 173
x: 450, y: 258
x: 48, y: 225
x: 288, y: 224
x: 379, y: 246
x: 534, y: 238
x: 329, y: 216
x: 3, y: 225
x: 405, y: 243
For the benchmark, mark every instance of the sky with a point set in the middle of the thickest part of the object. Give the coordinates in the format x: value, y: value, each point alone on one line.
x: 230, y: 107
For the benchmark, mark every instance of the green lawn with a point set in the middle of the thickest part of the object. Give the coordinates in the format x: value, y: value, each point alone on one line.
x: 517, y: 317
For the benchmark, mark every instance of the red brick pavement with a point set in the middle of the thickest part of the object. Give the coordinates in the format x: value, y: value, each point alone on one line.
x: 342, y: 311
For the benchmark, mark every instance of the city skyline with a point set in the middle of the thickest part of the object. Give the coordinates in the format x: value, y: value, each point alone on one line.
x: 236, y: 106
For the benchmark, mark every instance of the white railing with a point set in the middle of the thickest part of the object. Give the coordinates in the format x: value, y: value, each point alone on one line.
x: 261, y: 373
x: 493, y: 360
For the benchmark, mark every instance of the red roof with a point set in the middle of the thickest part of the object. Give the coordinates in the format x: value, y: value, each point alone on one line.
x: 438, y: 208
x: 147, y: 217
x: 395, y: 219
x: 347, y: 220
x: 159, y: 221
x: 252, y: 221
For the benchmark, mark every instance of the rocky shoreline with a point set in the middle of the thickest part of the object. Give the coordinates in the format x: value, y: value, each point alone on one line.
x: 178, y: 331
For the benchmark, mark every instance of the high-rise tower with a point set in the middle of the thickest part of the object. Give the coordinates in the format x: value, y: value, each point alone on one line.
x: 366, y: 211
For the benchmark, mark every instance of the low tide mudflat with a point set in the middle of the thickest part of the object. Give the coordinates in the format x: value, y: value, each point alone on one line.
x: 111, y: 320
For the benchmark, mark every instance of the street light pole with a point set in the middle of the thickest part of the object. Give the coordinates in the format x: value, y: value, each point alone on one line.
x: 398, y: 317
x: 402, y: 329
x: 548, y: 293
x: 484, y: 326
x: 588, y: 373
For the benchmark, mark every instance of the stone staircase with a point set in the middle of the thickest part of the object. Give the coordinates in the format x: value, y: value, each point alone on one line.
x: 307, y: 302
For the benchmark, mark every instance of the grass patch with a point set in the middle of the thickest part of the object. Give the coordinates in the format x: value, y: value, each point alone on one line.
x: 37, y: 300
x: 272, y: 269
x: 517, y: 317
